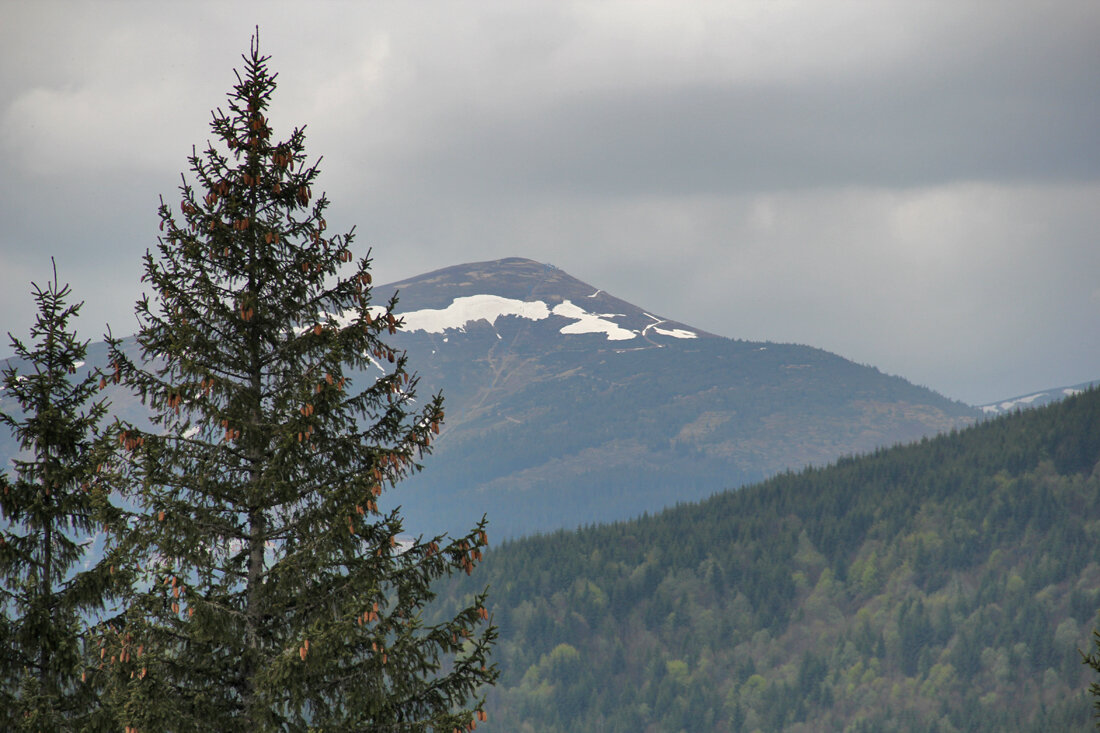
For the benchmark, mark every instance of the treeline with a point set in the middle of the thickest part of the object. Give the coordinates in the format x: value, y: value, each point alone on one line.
x: 945, y: 585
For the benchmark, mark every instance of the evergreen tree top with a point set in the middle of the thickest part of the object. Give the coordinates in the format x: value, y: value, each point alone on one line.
x: 52, y: 506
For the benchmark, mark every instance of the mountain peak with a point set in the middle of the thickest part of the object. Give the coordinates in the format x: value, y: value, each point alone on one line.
x: 512, y: 277
x: 452, y: 297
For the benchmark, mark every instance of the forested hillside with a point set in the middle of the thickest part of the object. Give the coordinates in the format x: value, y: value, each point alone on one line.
x: 944, y: 585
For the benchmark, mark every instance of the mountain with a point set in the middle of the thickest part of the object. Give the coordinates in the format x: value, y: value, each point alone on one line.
x: 567, y: 406
x: 1035, y: 399
x: 944, y: 585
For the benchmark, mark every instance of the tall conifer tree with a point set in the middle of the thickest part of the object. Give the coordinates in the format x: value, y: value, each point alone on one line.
x: 52, y: 509
x: 277, y: 595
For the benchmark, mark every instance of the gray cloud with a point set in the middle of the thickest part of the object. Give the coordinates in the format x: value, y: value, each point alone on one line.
x: 716, y: 140
x: 912, y: 185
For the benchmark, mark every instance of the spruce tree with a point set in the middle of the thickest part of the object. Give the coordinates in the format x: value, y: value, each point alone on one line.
x: 275, y: 590
x: 53, y: 507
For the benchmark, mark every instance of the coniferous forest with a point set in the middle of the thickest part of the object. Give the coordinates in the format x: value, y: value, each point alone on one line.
x: 941, y: 586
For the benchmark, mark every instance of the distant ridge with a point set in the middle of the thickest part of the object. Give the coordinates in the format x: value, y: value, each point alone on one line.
x: 1035, y: 399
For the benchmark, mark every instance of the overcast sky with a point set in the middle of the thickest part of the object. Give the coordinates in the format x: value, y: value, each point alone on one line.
x: 912, y: 185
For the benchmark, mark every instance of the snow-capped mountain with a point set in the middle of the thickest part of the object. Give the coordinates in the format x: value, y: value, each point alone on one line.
x: 567, y: 406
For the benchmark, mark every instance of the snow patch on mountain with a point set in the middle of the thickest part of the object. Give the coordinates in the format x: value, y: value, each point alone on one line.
x: 472, y: 308
x: 592, y: 322
x: 1015, y: 404
x: 678, y: 333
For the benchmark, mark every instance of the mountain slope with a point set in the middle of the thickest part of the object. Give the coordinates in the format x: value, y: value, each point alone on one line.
x: 944, y: 585
x: 567, y: 406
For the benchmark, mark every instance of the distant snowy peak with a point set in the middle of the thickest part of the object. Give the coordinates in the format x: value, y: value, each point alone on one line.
x: 1019, y: 403
x: 469, y: 309
x: 1035, y: 400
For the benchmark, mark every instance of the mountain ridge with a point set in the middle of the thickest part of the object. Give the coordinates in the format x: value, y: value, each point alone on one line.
x: 1035, y: 399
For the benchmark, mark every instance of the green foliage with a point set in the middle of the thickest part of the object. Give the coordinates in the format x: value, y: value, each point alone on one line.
x: 272, y: 589
x: 943, y: 585
x: 52, y: 509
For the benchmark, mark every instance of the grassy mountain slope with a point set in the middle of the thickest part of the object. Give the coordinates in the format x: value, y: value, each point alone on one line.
x: 940, y: 586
